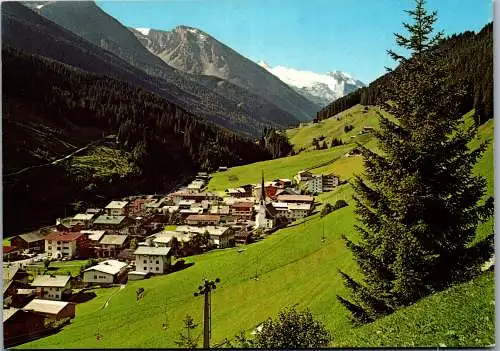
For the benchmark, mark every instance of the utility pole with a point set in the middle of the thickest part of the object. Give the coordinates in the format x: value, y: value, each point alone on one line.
x: 206, y: 289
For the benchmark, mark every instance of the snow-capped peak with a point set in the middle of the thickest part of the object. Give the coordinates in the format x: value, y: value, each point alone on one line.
x: 143, y: 31
x: 321, y: 88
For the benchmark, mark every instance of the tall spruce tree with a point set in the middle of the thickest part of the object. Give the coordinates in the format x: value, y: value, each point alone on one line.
x: 419, y: 203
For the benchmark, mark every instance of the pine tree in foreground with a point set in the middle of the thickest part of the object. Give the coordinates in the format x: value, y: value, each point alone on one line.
x: 419, y: 202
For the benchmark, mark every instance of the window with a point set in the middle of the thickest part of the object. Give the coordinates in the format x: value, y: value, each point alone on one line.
x: 58, y: 248
x: 50, y: 247
x: 58, y: 243
x: 157, y: 262
x: 157, y: 268
x: 145, y: 261
x: 95, y: 276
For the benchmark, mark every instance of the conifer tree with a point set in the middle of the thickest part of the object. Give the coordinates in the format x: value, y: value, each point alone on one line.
x: 419, y: 203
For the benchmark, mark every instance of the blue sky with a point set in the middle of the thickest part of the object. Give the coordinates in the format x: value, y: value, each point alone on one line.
x: 315, y: 35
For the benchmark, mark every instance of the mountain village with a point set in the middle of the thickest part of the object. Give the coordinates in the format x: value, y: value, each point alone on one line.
x: 132, y: 239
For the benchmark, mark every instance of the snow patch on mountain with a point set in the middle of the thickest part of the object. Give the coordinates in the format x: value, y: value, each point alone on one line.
x: 321, y: 88
x: 143, y: 31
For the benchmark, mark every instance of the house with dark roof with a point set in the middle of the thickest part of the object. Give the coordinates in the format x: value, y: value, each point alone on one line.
x: 111, y: 244
x: 29, y: 241
x: 10, y: 252
x: 21, y: 326
x: 110, y: 222
x: 203, y: 219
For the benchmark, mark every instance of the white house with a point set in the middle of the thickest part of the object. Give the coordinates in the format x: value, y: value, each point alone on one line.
x: 296, y: 211
x: 103, y: 273
x: 52, y: 287
x: 322, y: 183
x: 219, y: 236
x: 58, y: 244
x: 116, y: 208
x: 155, y: 260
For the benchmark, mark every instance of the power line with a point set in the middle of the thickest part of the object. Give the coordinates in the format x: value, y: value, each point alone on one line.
x: 206, y: 290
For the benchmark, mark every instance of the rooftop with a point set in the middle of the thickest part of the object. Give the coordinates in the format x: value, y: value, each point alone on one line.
x: 94, y: 235
x: 153, y: 251
x: 31, y: 237
x: 51, y: 280
x: 110, y: 266
x: 111, y: 239
x: 105, y: 219
x: 46, y: 306
x: 117, y: 204
x: 63, y: 236
x: 83, y: 216
x: 9, y: 312
x: 286, y: 198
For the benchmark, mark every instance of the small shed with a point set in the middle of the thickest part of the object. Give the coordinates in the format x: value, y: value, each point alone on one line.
x: 135, y: 275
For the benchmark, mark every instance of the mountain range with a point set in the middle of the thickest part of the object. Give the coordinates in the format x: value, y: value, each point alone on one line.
x: 320, y: 88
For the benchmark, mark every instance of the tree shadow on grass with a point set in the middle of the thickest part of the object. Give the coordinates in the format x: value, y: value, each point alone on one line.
x: 82, y: 296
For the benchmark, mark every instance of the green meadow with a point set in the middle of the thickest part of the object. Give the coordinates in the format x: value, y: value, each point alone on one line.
x: 291, y: 267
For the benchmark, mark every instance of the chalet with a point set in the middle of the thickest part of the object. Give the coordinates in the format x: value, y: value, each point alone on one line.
x: 107, y: 272
x: 185, y: 204
x: 110, y: 222
x: 116, y: 208
x: 20, y: 326
x: 191, y: 211
x: 30, y: 241
x: 242, y: 234
x: 296, y: 211
x: 84, y: 220
x: 242, y: 210
x: 220, y: 237
x: 296, y: 199
x: 207, y: 219
x: 50, y: 309
x: 64, y: 244
x: 111, y: 244
x: 52, y: 287
x: 155, y: 260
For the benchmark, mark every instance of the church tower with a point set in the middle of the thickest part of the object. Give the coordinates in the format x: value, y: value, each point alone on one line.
x: 260, y: 217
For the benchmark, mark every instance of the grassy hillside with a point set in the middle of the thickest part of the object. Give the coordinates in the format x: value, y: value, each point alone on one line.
x: 436, y: 320
x: 293, y: 267
x: 358, y: 116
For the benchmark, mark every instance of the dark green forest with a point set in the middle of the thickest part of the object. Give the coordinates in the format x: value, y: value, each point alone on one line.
x: 166, y: 144
x: 468, y: 57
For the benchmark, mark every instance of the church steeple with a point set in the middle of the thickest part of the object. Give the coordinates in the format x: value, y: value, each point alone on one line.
x: 263, y: 190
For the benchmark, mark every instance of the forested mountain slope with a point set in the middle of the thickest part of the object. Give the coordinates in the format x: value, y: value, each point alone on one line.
x: 51, y: 109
